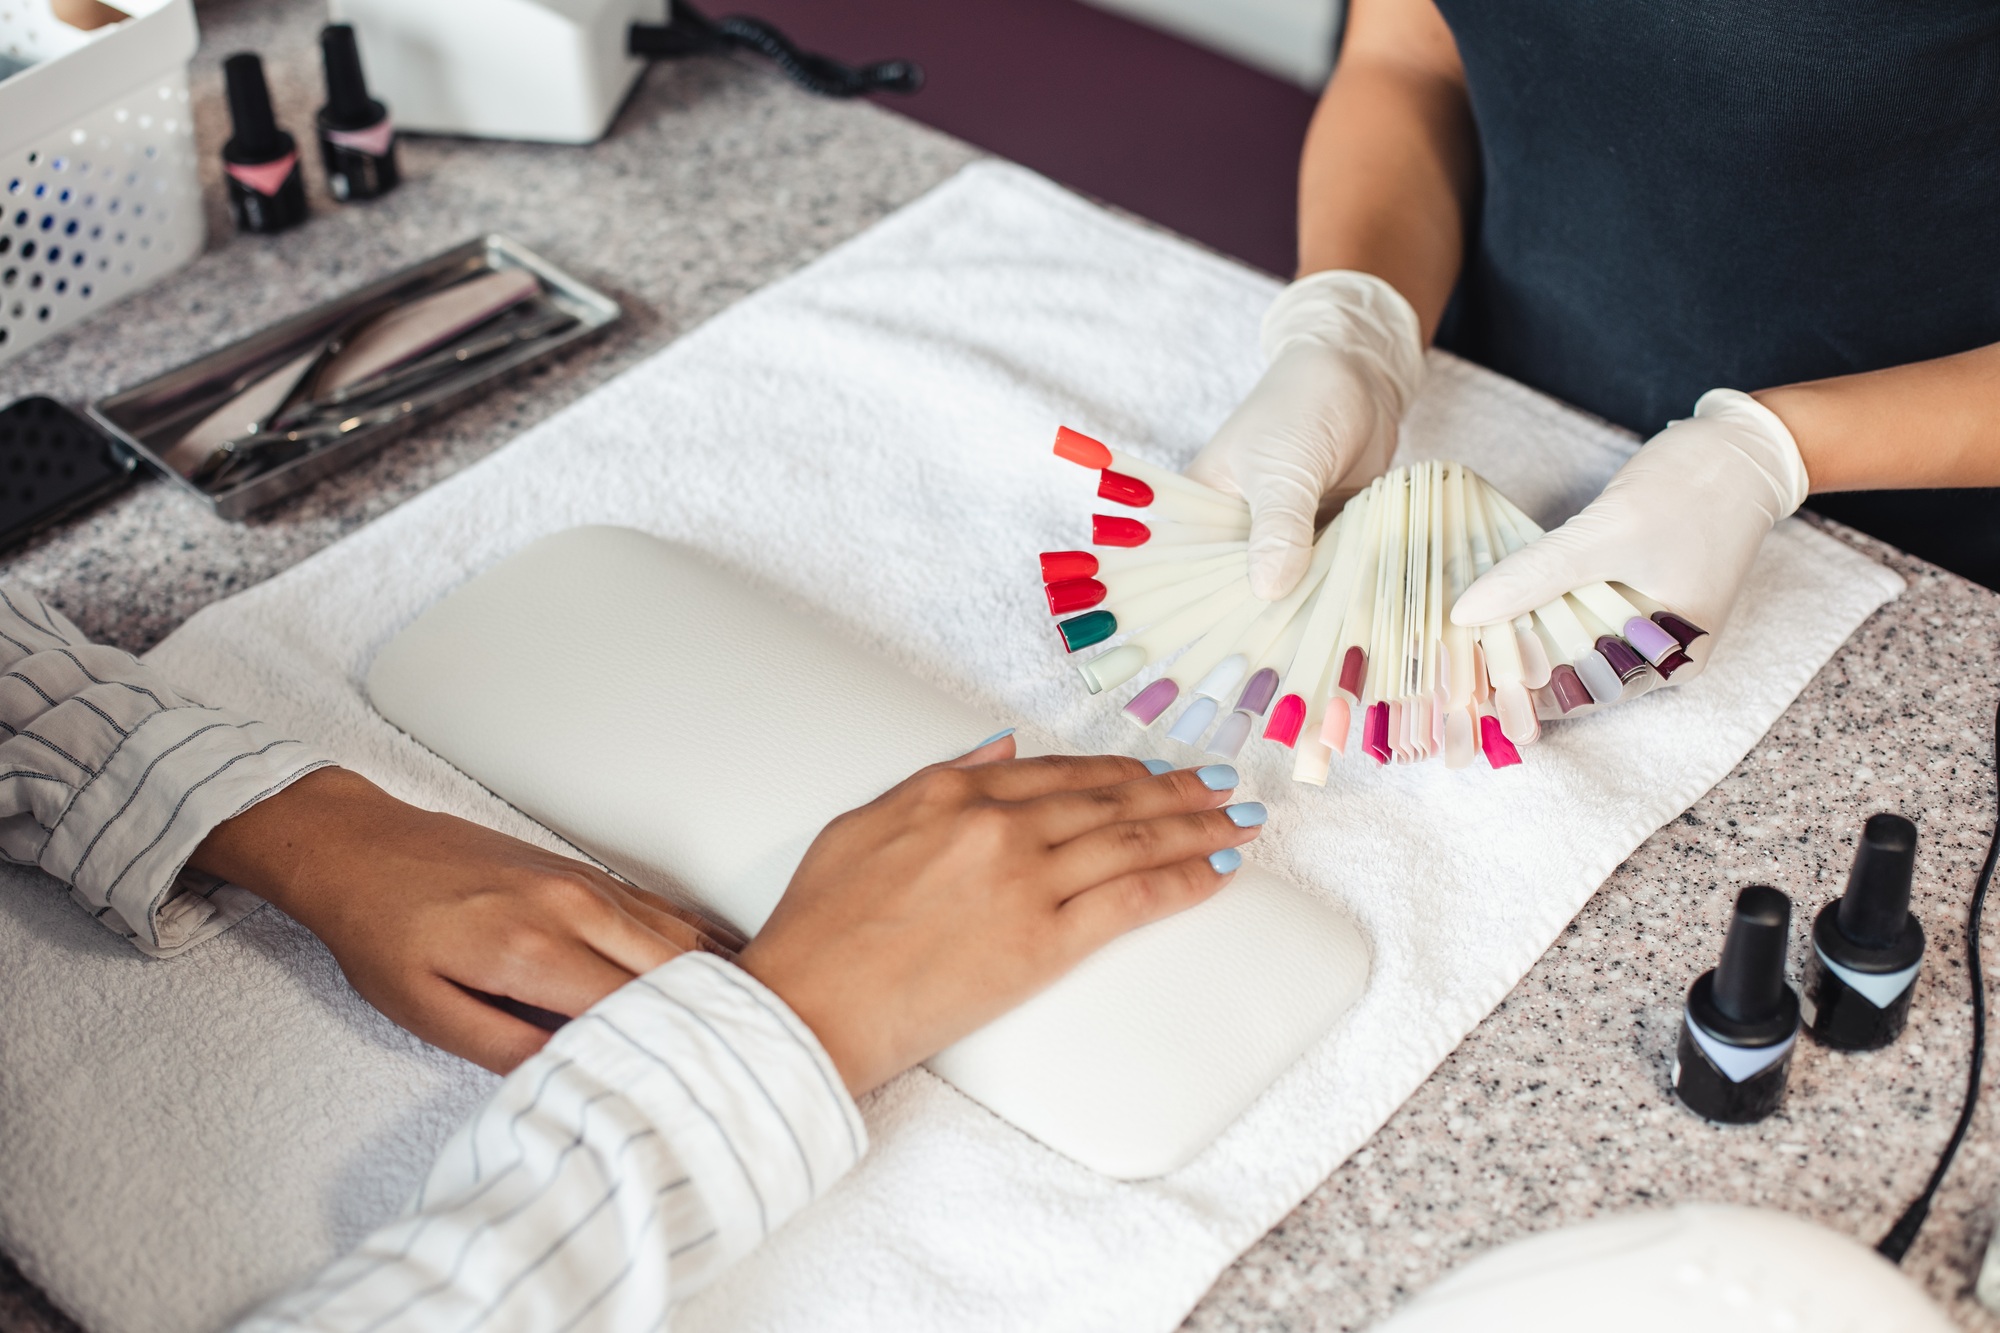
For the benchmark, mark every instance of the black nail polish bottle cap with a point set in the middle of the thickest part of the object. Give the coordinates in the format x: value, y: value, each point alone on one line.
x: 257, y: 138
x: 1877, y: 902
x: 1744, y: 1000
x: 1869, y: 927
x: 348, y: 105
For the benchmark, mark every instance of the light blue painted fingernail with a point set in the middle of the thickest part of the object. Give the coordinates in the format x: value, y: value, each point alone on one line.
x: 1225, y: 861
x: 1216, y: 777
x: 996, y: 736
x: 1245, y: 814
x: 1157, y: 766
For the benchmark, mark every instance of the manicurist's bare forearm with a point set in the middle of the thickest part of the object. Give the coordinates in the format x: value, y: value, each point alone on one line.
x: 1391, y: 160
x: 1927, y: 424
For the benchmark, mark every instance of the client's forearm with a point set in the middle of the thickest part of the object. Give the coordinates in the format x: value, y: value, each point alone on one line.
x: 1922, y: 425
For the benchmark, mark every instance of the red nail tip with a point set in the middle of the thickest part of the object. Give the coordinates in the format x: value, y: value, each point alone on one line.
x: 1287, y: 717
x: 1108, y: 531
x: 1074, y: 595
x: 1375, y: 732
x: 1352, y: 668
x: 1080, y: 448
x: 1060, y: 565
x: 1500, y: 751
x: 1671, y: 663
x: 1121, y: 489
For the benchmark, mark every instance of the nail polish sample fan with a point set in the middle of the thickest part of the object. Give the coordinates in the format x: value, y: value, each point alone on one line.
x: 693, y: 733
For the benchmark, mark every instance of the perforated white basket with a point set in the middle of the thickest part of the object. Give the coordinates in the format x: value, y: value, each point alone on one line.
x: 98, y: 178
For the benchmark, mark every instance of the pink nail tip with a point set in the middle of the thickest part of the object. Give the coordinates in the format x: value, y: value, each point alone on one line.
x: 1500, y: 751
x: 1352, y: 667
x: 1286, y: 720
x: 1375, y: 732
x: 1149, y: 703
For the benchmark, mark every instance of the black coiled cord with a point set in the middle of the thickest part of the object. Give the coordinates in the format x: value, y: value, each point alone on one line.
x: 691, y: 32
x: 1902, y: 1235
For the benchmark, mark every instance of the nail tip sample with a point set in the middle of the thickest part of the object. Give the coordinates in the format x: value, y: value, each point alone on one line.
x: 1121, y: 489
x: 1084, y: 631
x: 1081, y: 449
x: 1229, y: 738
x: 1192, y: 723
x: 1147, y: 705
x: 1286, y: 719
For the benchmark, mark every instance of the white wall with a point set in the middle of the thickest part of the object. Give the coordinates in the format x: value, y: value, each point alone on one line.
x: 1292, y: 39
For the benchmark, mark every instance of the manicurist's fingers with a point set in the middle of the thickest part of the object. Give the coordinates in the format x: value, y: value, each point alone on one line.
x: 678, y: 925
x: 1097, y: 916
x: 1105, y: 854
x: 565, y: 975
x: 998, y: 746
x: 1063, y: 815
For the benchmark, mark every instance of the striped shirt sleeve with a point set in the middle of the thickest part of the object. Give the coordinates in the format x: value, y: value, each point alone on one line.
x: 109, y: 779
x: 652, y: 1143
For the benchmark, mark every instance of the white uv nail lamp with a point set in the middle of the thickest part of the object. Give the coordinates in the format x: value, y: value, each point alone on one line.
x: 549, y: 70
x: 695, y: 734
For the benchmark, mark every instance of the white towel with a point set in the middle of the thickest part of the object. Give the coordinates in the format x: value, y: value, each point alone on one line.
x: 871, y: 438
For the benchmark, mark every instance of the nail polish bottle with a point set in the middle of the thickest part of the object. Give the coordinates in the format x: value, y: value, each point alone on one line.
x: 357, y: 140
x: 1866, y: 945
x: 261, y: 161
x: 1742, y: 1020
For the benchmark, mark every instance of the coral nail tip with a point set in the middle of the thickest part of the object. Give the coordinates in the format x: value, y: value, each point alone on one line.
x: 1121, y: 489
x: 1081, y: 449
x: 1060, y: 565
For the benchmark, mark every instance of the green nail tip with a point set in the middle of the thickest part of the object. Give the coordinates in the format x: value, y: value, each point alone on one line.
x: 1088, y: 628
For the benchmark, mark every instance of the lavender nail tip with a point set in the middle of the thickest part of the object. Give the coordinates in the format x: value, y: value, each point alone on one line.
x: 1226, y: 861
x: 1653, y: 643
x: 1246, y: 814
x: 1149, y: 703
x: 1227, y: 742
x: 1258, y: 693
x: 1216, y: 777
x: 1157, y: 766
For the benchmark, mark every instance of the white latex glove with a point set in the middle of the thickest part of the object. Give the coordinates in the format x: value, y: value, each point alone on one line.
x: 1680, y: 522
x: 1346, y: 355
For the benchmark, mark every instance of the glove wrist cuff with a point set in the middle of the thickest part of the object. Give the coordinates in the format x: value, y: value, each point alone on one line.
x: 1357, y: 313
x: 1779, y: 455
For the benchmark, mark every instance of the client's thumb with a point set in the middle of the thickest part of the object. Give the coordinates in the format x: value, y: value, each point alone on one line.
x: 1281, y: 539
x: 1532, y: 577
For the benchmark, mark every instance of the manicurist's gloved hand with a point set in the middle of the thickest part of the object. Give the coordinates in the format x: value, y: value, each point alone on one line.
x: 1680, y: 523
x: 1346, y: 355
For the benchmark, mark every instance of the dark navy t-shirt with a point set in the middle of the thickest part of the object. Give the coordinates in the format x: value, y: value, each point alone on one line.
x: 1680, y: 195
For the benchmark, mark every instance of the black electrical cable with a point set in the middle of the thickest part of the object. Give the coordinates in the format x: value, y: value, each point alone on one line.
x: 1901, y: 1236
x: 690, y: 32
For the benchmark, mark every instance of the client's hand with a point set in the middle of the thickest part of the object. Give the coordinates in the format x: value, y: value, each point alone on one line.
x: 425, y: 912
x: 967, y: 888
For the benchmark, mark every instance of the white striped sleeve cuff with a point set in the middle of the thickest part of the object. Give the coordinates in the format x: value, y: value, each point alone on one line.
x: 110, y: 778
x: 653, y: 1142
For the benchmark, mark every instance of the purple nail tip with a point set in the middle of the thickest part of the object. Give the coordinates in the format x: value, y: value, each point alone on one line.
x: 1568, y: 688
x: 1653, y: 643
x: 1680, y: 629
x: 1149, y: 703
x: 1256, y: 696
x: 1672, y: 662
x: 1624, y: 659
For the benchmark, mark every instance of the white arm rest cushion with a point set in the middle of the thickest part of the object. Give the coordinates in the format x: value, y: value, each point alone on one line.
x: 695, y: 735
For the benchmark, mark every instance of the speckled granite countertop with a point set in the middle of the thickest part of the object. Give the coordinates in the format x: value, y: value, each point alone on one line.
x: 1557, y: 1108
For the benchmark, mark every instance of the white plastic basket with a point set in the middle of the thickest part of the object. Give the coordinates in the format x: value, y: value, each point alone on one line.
x: 98, y: 175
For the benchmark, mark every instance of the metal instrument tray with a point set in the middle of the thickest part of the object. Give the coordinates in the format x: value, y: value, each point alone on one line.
x: 148, y: 418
